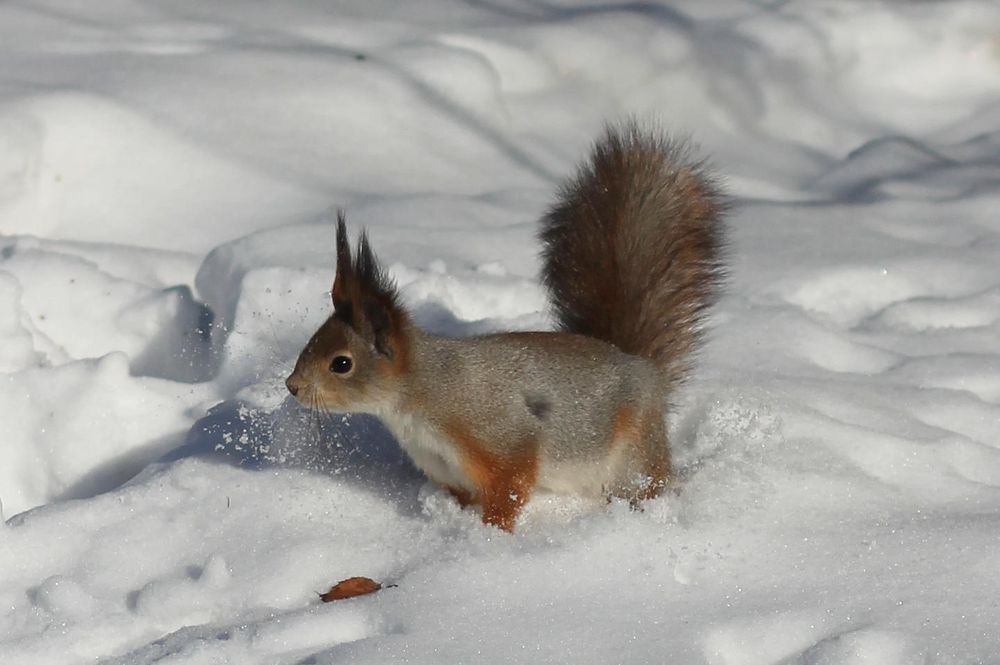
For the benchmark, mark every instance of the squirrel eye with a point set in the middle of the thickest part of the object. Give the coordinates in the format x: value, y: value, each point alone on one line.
x: 341, y: 365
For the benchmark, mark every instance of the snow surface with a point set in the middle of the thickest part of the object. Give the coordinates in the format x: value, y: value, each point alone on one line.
x: 167, y: 175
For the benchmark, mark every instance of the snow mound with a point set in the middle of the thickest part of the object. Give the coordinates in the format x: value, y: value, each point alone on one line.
x: 169, y: 174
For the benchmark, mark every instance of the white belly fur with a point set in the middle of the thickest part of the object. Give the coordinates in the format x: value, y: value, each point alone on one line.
x: 428, y: 449
x: 589, y: 478
x: 431, y: 452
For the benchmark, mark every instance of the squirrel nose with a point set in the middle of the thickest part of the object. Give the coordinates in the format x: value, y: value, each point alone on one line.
x: 292, y: 385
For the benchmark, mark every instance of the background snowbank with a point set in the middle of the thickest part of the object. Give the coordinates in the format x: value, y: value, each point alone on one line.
x: 167, y: 172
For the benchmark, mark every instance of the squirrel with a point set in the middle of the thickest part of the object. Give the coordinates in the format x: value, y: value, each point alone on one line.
x: 631, y: 256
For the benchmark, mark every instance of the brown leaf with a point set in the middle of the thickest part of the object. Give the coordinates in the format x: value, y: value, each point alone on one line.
x: 349, y: 588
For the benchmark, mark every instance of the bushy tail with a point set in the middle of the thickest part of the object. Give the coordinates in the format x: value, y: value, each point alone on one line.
x: 631, y: 249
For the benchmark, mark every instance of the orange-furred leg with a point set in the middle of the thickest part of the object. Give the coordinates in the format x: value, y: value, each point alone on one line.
x: 504, y: 481
x: 649, y: 470
x: 657, y: 456
x: 506, y: 491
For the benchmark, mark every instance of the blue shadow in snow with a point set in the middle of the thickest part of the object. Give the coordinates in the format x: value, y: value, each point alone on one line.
x: 355, y: 448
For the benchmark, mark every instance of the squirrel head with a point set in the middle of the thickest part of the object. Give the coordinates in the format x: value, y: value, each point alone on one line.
x: 356, y: 360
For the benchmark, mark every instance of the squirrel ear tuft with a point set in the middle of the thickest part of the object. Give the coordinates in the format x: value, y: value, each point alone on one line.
x: 373, y: 280
x: 342, y: 283
x: 365, y: 263
x: 382, y: 313
x: 364, y: 296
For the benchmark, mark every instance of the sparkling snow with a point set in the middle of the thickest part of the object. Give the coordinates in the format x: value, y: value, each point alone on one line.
x: 168, y: 172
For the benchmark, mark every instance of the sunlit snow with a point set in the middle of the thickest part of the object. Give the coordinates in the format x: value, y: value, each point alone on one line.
x: 168, y: 176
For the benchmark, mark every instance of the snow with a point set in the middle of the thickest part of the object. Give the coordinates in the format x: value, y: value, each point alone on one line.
x: 168, y: 175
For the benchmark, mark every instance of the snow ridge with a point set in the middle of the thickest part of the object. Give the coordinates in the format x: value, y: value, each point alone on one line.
x: 168, y: 173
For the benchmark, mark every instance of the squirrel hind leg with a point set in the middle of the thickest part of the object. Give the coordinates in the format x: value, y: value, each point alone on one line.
x: 647, y: 472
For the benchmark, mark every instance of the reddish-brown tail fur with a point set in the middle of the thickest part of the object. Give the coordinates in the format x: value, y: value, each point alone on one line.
x: 631, y: 250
